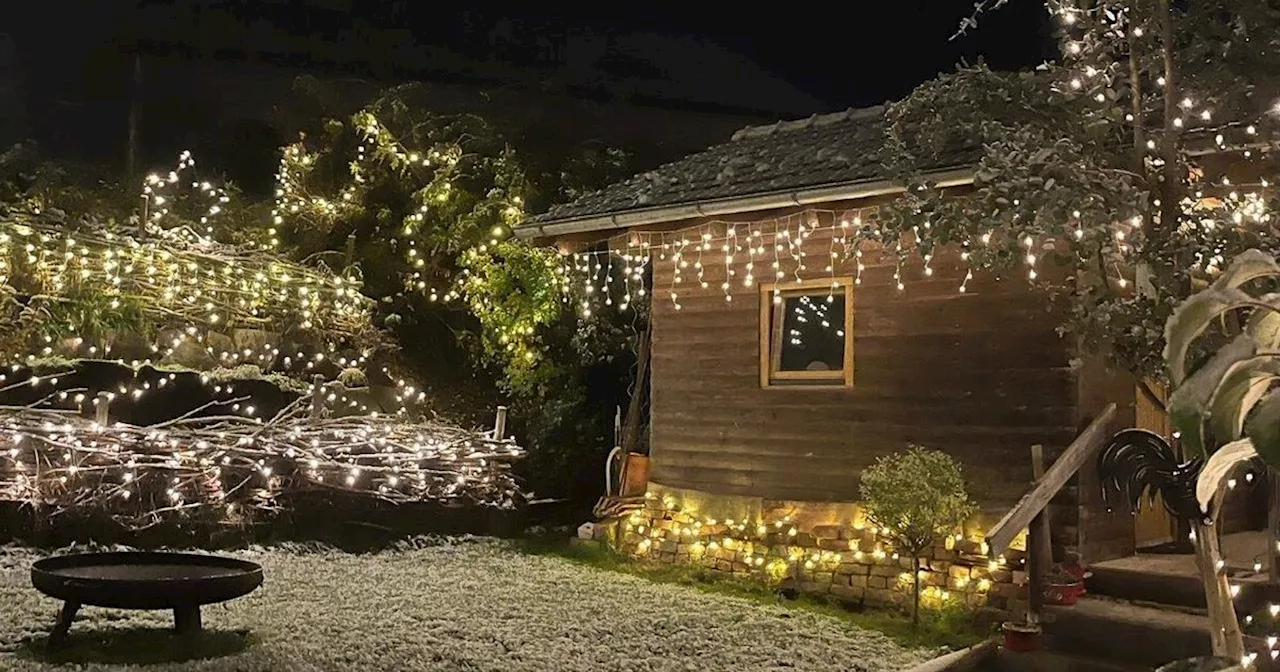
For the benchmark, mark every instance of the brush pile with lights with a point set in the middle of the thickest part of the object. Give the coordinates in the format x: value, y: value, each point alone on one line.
x: 234, y: 468
x: 156, y: 372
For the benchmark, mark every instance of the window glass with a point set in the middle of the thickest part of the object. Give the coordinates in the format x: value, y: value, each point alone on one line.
x: 812, y: 336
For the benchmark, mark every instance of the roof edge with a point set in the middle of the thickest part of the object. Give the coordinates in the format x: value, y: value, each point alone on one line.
x: 948, y: 177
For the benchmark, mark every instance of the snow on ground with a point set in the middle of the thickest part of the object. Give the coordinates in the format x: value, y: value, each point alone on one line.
x: 471, y: 605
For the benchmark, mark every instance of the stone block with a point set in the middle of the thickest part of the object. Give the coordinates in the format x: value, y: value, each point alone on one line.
x: 833, y: 544
x: 1009, y: 590
x: 822, y: 577
x: 877, y: 582
x: 812, y: 587
x: 1018, y: 578
x: 826, y: 531
x: 885, y: 570
x: 854, y: 569
x: 804, y: 539
x: 958, y: 572
x: 858, y: 581
x: 848, y: 592
x: 879, y: 596
x: 939, y: 565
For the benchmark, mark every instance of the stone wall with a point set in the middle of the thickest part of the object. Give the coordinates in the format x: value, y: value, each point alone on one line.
x: 848, y: 559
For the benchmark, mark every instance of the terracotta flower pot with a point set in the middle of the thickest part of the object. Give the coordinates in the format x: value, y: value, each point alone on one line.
x: 1021, y: 637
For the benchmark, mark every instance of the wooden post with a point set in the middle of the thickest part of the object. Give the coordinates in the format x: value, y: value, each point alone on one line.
x: 500, y: 424
x: 1039, y: 544
x: 1273, y: 523
x: 317, y: 396
x: 102, y: 413
x: 350, y: 252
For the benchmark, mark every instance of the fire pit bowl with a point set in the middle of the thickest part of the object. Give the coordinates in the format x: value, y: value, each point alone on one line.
x: 182, y: 582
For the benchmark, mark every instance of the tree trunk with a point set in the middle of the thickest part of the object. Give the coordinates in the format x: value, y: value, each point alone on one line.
x: 635, y: 409
x: 915, y: 589
x: 1224, y: 627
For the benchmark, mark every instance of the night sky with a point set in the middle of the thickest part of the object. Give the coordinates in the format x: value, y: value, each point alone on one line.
x: 853, y: 53
x: 65, y: 64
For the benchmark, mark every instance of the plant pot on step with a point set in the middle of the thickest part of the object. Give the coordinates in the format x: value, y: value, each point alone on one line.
x: 1021, y: 637
x: 1063, y: 592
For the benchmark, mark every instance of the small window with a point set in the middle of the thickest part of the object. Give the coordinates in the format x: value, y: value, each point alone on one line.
x: 806, y: 333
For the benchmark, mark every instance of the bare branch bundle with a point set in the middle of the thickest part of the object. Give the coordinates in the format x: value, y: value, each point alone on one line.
x: 178, y: 281
x: 234, y: 467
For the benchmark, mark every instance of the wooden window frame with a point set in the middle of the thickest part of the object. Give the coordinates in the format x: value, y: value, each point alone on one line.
x: 771, y: 329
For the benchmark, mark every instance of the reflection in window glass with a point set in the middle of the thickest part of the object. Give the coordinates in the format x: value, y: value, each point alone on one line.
x: 812, y: 337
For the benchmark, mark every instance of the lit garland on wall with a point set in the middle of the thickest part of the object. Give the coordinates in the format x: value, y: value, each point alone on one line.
x: 771, y: 548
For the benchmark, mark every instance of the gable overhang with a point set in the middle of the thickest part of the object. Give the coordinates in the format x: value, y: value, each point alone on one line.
x: 952, y: 177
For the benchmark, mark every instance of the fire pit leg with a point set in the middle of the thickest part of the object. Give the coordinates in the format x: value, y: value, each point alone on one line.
x: 186, y: 620
x: 59, y: 635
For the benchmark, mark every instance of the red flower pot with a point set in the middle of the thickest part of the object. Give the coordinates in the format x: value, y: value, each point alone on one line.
x: 1021, y: 637
x: 1063, y: 593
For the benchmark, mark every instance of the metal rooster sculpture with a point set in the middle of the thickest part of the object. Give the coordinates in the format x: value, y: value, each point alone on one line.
x: 1138, y: 461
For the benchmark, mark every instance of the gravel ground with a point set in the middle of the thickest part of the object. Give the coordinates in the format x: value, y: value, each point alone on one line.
x: 473, y: 605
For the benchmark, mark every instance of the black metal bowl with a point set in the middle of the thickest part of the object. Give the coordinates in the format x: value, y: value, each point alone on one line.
x: 145, y: 580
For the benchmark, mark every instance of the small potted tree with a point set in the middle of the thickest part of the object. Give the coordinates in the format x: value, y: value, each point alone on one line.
x: 917, y: 497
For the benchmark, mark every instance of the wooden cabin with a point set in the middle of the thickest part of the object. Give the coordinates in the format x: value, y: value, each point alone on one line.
x: 787, y: 356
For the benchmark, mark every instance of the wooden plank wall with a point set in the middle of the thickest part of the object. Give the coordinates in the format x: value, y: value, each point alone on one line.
x: 982, y: 375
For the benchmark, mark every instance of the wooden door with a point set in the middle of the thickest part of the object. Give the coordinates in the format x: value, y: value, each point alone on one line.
x: 1152, y: 524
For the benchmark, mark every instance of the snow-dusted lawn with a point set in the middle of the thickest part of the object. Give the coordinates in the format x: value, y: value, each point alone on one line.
x: 468, y: 605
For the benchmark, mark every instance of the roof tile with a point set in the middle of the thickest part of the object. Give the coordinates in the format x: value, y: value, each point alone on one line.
x: 816, y: 151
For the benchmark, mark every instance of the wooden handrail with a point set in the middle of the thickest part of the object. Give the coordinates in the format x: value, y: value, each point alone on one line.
x: 1020, y: 516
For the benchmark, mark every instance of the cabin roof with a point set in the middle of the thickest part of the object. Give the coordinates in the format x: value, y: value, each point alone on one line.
x: 843, y: 148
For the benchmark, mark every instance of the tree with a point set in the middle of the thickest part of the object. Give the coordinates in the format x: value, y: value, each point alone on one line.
x: 1137, y: 164
x: 917, y: 497
x: 424, y: 203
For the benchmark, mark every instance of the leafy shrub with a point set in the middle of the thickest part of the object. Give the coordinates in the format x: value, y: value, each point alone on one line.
x: 916, y: 496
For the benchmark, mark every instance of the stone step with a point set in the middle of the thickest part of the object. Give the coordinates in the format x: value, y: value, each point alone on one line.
x: 1179, y: 590
x: 1126, y: 633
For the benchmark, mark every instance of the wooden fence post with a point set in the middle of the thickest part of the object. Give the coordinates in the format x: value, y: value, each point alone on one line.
x: 102, y: 412
x: 500, y: 424
x: 1039, y: 544
x: 317, y: 396
x: 1273, y: 523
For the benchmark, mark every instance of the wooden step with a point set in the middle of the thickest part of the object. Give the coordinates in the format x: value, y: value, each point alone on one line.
x: 1126, y: 633
x: 1055, y: 661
